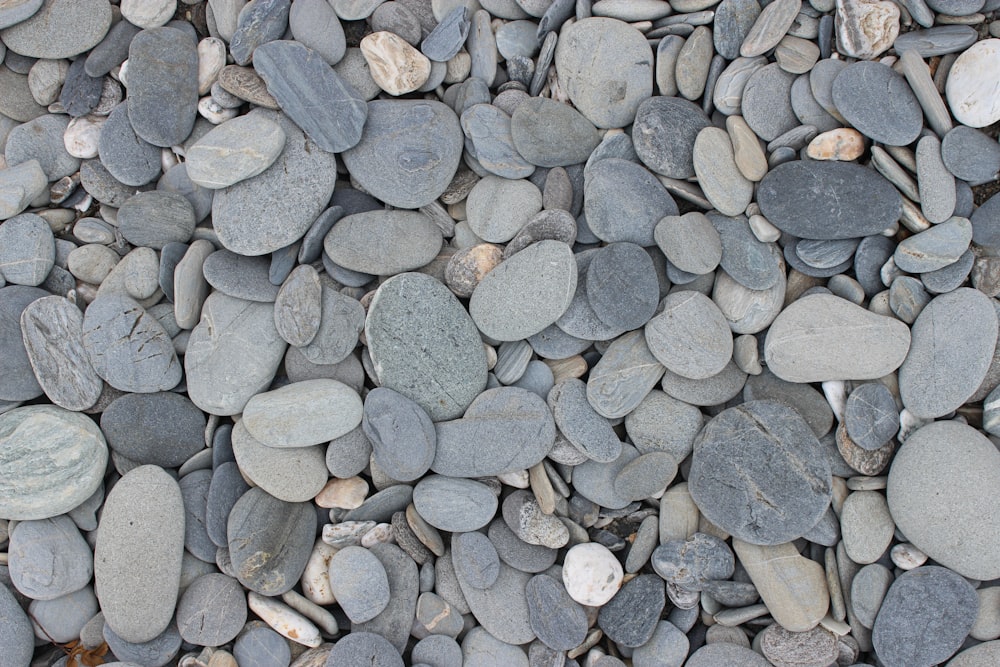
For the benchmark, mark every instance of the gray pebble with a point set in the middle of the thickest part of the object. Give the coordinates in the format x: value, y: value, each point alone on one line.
x: 81, y: 92
x: 396, y: 620
x: 316, y: 25
x: 437, y: 651
x: 227, y: 486
x: 489, y: 129
x: 970, y: 154
x: 631, y: 617
x: 16, y: 633
x: 59, y: 29
x: 455, y: 505
x: 877, y: 101
x: 937, y: 41
x: 549, y: 134
x: 448, y: 36
x: 559, y: 621
x: 401, y: 433
x: 163, y: 91
x: 125, y: 156
x: 690, y: 336
x: 667, y: 647
x: 42, y: 139
x: 623, y: 377
x: 476, y: 558
x: 49, y: 558
x: 27, y: 250
x: 156, y: 218
x: 212, y: 610
x: 664, y: 134
x: 766, y: 104
x: 260, y: 646
x: 240, y: 276
x: 360, y: 583
x: 868, y: 589
x: 163, y: 428
x: 621, y: 286
x: 620, y: 192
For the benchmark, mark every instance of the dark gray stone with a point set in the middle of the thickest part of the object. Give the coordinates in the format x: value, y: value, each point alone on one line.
x: 163, y: 85
x: 212, y: 610
x: 557, y: 619
x: 549, y: 134
x: 113, y: 49
x: 733, y: 20
x: 664, y: 132
x: 448, y: 36
x: 157, y: 651
x: 691, y: 563
x: 383, y: 242
x: 767, y: 102
x: 163, y: 428
x: 826, y: 254
x: 455, y: 505
x: 949, y: 277
x: 517, y: 553
x: 828, y: 200
x: 621, y: 285
x: 970, y: 154
x: 360, y: 583
x: 872, y: 253
x: 580, y: 423
x: 81, y: 92
x: 259, y: 22
x: 871, y: 417
x: 489, y: 130
x: 401, y: 433
x: 878, y: 102
x: 328, y: 110
x: 772, y: 503
x: 240, y: 276
x: 623, y: 376
x: 579, y: 320
x: 226, y: 488
x: 20, y: 383
x: 408, y: 153
x: 503, y: 430
x: 476, y: 558
x: 624, y: 202
x: 630, y: 618
x: 155, y: 218
x: 194, y: 490
x: 925, y: 617
x: 502, y: 609
x: 127, y: 157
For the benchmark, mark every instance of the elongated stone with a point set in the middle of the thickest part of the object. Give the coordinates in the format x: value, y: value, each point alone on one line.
x: 163, y: 91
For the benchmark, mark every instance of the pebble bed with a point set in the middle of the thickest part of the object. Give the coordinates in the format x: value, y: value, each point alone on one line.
x: 499, y: 333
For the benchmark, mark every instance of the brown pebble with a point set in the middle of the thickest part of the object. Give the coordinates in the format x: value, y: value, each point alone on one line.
x: 866, y: 462
x: 814, y: 648
x: 841, y: 144
x: 469, y: 266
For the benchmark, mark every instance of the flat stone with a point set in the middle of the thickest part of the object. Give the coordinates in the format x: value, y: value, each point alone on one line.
x: 868, y: 588
x: 775, y: 505
x: 866, y: 28
x: 970, y: 155
x: 50, y: 558
x: 211, y: 611
x: 141, y: 531
x: 63, y: 617
x: 793, y: 587
x: 690, y: 336
x: 365, y: 648
x: 767, y: 101
x: 944, y: 349
x: 866, y: 526
x: 970, y: 81
x: 403, y: 349
x: 530, y: 523
x: 769, y: 27
x: 302, y: 83
x: 549, y: 134
x: 901, y: 634
x: 17, y: 102
x: 871, y: 417
x: 861, y: 345
x: 19, y: 186
x: 981, y: 655
x: 935, y: 527
x: 163, y: 90
x: 631, y: 617
x: 733, y: 21
x: 27, y: 250
x: 163, y: 428
x: 128, y: 348
x: 81, y: 93
x: 401, y: 432
x: 125, y: 156
x: 17, y: 633
x: 581, y: 424
x: 408, y: 153
x: 291, y: 416
x: 664, y: 134
x: 293, y: 475
x: 606, y: 68
x: 668, y: 646
x: 448, y: 35
x: 270, y: 541
x: 934, y: 248
x: 623, y: 377
x: 396, y: 620
x: 238, y: 336
x: 475, y: 556
x: 488, y: 127
x: 878, y: 102
x: 259, y: 645
x: 512, y: 550
x: 58, y: 29
x: 316, y: 25
x: 155, y: 218
x: 624, y: 202
x: 721, y: 180
x: 239, y: 276
x: 455, y: 505
x: 359, y: 583
x: 662, y: 423
x: 42, y: 139
x: 498, y: 208
x: 258, y: 22
x: 437, y: 650
x: 234, y: 151
x: 383, y: 242
x: 275, y: 208
x: 751, y: 263
x: 479, y: 647
x: 559, y: 621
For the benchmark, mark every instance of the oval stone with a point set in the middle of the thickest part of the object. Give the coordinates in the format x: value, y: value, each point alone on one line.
x: 162, y: 428
x: 163, y: 85
x: 758, y: 473
x: 59, y: 28
x: 878, y: 102
x: 53, y: 461
x: 822, y: 337
x: 549, y: 134
x: 141, y: 534
x: 525, y: 293
x: 234, y: 151
x: 936, y: 490
x: 690, y: 336
x: 383, y: 243
x: 455, y: 505
x: 302, y: 414
x: 953, y: 342
x: 424, y: 345
x: 664, y: 133
x: 828, y: 200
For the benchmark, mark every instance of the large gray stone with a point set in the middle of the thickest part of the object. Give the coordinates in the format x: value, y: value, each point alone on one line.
x: 49, y: 558
x: 359, y: 582
x: 624, y: 202
x: 212, y: 610
x: 163, y: 85
x: 455, y: 505
x: 549, y: 134
x: 60, y: 29
x: 16, y: 631
x: 396, y: 620
x: 302, y: 414
x: 163, y: 428
x: 690, y: 337
x: 401, y: 432
x: 878, y: 102
x: 155, y: 218
x: 27, y: 250
x: 383, y: 243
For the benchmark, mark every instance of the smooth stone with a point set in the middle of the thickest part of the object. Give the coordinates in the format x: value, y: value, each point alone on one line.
x: 402, y: 349
x: 112, y: 50
x: 452, y: 504
x: 793, y: 587
x: 27, y: 250
x: 293, y: 474
x: 148, y: 14
x: 19, y: 186
x: 298, y: 308
x: 448, y: 36
x: 259, y: 22
x: 234, y: 151
x: 17, y: 102
x: 488, y: 127
x: 944, y: 349
x: 260, y: 646
x: 163, y: 428
x: 868, y: 589
x: 211, y: 611
x: 769, y: 27
x: 497, y: 208
x: 366, y: 648
x: 59, y: 29
x: 163, y: 95
x: 275, y: 208
x: 663, y: 423
x: 291, y: 417
x: 621, y: 286
x: 986, y: 223
x: 631, y: 617
x: 866, y: 526
x: 668, y: 647
x: 141, y: 530
x: 870, y: 416
x: 690, y: 336
x: 302, y: 83
x: 17, y: 11
x: 155, y: 218
x: 408, y: 153
x: 480, y: 648
x: 664, y: 134
x: 710, y: 391
x: 904, y: 632
x: 476, y: 558
x: 128, y: 348
x: 125, y: 156
x: 750, y: 262
x: 937, y: 185
x: 530, y: 523
x: 435, y: 614
x: 782, y: 199
x: 926, y: 464
x: 606, y: 69
x: 623, y: 377
x: 733, y: 21
x: 981, y: 655
x: 934, y: 248
x: 549, y: 134
x: 240, y: 277
x: 721, y: 180
x: 383, y: 242
x: 766, y: 103
x: 401, y: 432
x: 970, y: 81
x: 395, y: 65
x: 580, y: 423
x: 176, y: 180
x: 580, y: 320
x: 970, y: 155
x: 396, y: 620
x: 591, y: 574
x: 315, y: 24
x: 81, y: 93
x: 544, y: 272
x: 437, y: 651
x: 559, y: 621
x: 63, y: 618
x: 866, y: 28
x: 887, y: 112
x: 624, y: 202
x: 238, y: 336
x: 49, y: 558
x: 194, y: 490
x: 693, y: 62
x: 270, y: 541
x: 16, y: 633
x: 359, y: 583
x: 158, y: 651
x: 834, y: 353
x: 42, y: 139
x: 515, y: 552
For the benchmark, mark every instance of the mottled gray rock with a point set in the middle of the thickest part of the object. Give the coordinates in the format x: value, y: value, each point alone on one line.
x: 433, y: 355
x: 155, y: 218
x: 259, y: 22
x: 954, y: 529
x: 366, y: 648
x: 934, y: 248
x: 359, y: 582
x: 163, y: 85
x: 49, y: 558
x: 606, y: 67
x: 328, y: 109
x: 953, y: 342
x: 289, y: 417
x: 505, y: 429
x: 577, y: 420
x: 162, y: 428
x: 59, y: 29
x: 854, y: 344
x: 240, y: 337
x: 767, y: 101
x: 502, y: 609
x: 476, y: 558
x: 270, y: 541
x: 690, y: 242
x: 275, y: 208
x: 81, y: 92
x: 455, y: 505
x: 624, y: 202
x: 141, y: 531
x: 924, y: 618
x: 878, y: 102
x: 623, y: 376
x: 621, y: 286
x: 42, y: 139
x: 871, y: 417
x: 662, y: 423
x: 16, y: 632
x: 383, y: 242
x: 127, y: 157
x: 497, y: 208
x: 733, y: 20
x: 488, y: 128
x: 437, y: 651
x: 632, y: 615
x: 549, y: 134
x: 212, y: 610
x: 559, y: 621
x: 402, y: 434
x: 448, y: 36
x: 234, y: 151
x: 690, y: 336
x: 408, y: 153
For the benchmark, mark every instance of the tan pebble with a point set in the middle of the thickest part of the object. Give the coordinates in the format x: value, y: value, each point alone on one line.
x: 792, y: 586
x: 749, y: 156
x: 380, y: 534
x: 316, y: 577
x: 222, y: 659
x: 458, y: 68
x: 396, y: 67
x: 346, y: 494
x: 841, y: 144
x: 906, y: 556
x: 284, y: 620
x: 469, y: 266
x: 564, y: 369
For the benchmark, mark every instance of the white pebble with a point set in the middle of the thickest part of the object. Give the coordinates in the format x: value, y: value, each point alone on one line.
x: 907, y: 557
x: 591, y: 573
x: 284, y: 620
x: 214, y: 112
x: 82, y: 135
x: 148, y: 13
x: 211, y: 60
x: 316, y: 577
x: 836, y: 395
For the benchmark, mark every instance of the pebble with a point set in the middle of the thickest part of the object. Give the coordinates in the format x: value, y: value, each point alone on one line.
x: 359, y: 582
x: 549, y: 134
x: 315, y: 24
x: 690, y: 563
x: 770, y: 26
x: 902, y: 633
x: 259, y: 645
x: 815, y: 647
x: 498, y: 208
x: 141, y: 531
x: 866, y: 526
x: 124, y: 155
x: 402, y: 434
x: 49, y: 558
x: 289, y: 416
x: 41, y: 139
x: 19, y: 186
x: 970, y: 80
x: 455, y: 505
x: 211, y: 611
x: 27, y: 250
x: 155, y: 218
x: 476, y: 558
x: 690, y: 336
x: 792, y: 586
x: 291, y: 474
x: 556, y: 618
x: 664, y: 134
x: 162, y: 428
x: 367, y: 648
x: 940, y: 529
x: 871, y: 417
x: 866, y: 28
x: 163, y: 95
x: 868, y: 589
x: 843, y: 144
x: 58, y: 29
x: 223, y: 157
x: 721, y: 180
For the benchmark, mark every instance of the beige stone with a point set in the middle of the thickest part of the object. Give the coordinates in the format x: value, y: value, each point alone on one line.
x: 841, y: 144
x: 346, y: 494
x: 82, y: 136
x: 750, y: 158
x: 678, y: 514
x: 866, y: 28
x: 211, y: 60
x: 792, y: 586
x: 316, y: 576
x: 972, y: 84
x: 396, y: 67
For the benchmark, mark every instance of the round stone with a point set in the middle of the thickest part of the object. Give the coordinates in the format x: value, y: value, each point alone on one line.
x: 866, y: 526
x: 383, y: 243
x: 401, y: 432
x: 758, y: 474
x: 162, y: 428
x: 591, y: 574
x: 364, y: 648
x: 664, y: 133
x: 498, y: 208
x: 302, y: 414
x: 624, y: 202
x: 49, y: 558
x: 690, y: 336
x: 455, y: 505
x: 212, y: 610
x: 878, y: 102
x: 621, y: 285
x: 476, y: 559
x: 59, y: 29
x: 27, y: 250
x: 871, y: 416
x: 234, y: 151
x: 359, y: 583
x: 972, y: 82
